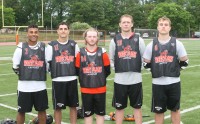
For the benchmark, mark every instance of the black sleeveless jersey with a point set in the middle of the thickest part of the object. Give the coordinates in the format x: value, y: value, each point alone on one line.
x: 63, y: 59
x: 32, y: 65
x: 92, y: 74
x: 164, y: 60
x: 127, y: 54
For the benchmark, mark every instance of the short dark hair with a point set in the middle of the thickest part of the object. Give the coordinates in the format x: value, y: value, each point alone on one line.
x: 63, y: 23
x: 32, y: 26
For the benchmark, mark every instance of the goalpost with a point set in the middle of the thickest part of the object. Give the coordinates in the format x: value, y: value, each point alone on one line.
x: 20, y: 26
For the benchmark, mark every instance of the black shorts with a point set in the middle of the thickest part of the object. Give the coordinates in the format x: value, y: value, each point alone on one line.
x: 123, y: 92
x: 93, y: 103
x: 166, y: 97
x: 26, y: 100
x: 65, y: 94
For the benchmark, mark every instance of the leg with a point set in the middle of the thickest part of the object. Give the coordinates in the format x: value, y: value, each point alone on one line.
x: 88, y: 120
x: 159, y: 118
x: 175, y: 116
x: 99, y: 119
x: 58, y: 116
x: 138, y: 116
x: 20, y: 117
x: 119, y: 116
x: 73, y: 115
x: 42, y: 117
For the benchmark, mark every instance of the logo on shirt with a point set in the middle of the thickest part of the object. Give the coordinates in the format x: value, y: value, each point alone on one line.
x: 92, y: 69
x: 64, y: 58
x: 34, y: 62
x: 164, y: 57
x: 119, y: 42
x: 127, y: 53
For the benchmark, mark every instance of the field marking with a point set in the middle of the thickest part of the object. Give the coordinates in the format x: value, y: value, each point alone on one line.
x: 8, y: 94
x: 16, y: 93
x: 5, y: 58
x: 12, y: 108
x: 150, y: 72
x: 6, y: 64
x: 182, y: 112
x: 109, y: 78
x: 29, y: 113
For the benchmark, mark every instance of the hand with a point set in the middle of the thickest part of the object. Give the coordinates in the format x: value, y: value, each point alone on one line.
x: 16, y: 70
x: 147, y: 66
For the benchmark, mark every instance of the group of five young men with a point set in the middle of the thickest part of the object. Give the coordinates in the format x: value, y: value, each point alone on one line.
x: 165, y: 55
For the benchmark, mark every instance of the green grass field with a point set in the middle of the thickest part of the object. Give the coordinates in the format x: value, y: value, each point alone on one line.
x: 190, y: 100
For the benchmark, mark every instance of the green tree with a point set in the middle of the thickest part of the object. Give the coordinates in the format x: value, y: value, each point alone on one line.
x: 179, y: 17
x: 9, y: 18
x: 193, y: 6
x: 79, y: 26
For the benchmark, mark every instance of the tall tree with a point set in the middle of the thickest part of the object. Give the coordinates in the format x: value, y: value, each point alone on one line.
x: 179, y: 17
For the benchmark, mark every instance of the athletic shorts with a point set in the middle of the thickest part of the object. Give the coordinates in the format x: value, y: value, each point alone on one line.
x: 166, y: 97
x: 65, y: 94
x: 93, y: 103
x: 26, y: 101
x: 123, y: 92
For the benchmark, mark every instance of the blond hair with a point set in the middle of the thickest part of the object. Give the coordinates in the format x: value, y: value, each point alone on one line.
x: 90, y: 29
x: 164, y: 18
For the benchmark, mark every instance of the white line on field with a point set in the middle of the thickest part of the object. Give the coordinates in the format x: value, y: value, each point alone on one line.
x: 6, y: 106
x: 5, y: 58
x: 16, y: 93
x: 150, y: 72
x: 8, y: 94
x: 6, y: 64
x: 7, y: 74
x: 29, y: 113
x: 182, y: 112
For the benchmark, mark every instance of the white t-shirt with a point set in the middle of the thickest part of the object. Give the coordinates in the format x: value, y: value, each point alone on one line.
x: 27, y: 86
x: 126, y: 78
x: 181, y: 52
x: 49, y: 58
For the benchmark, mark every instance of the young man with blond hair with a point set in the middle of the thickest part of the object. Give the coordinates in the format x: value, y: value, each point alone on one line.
x: 93, y: 67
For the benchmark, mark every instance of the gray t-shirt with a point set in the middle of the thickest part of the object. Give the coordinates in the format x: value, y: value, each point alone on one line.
x: 181, y: 52
x: 126, y: 78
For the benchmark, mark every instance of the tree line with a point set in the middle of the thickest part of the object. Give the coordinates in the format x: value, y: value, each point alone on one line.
x: 104, y: 14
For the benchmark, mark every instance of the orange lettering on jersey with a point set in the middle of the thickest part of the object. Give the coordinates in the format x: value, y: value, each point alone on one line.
x: 92, y: 70
x: 130, y: 54
x: 33, y: 63
x: 66, y: 59
x: 163, y: 59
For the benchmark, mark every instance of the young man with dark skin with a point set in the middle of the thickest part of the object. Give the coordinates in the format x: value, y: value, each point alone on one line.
x: 165, y: 56
x: 30, y: 66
